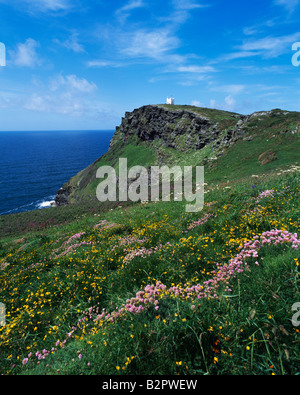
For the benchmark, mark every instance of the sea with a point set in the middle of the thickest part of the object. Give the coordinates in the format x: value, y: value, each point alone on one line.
x: 34, y: 165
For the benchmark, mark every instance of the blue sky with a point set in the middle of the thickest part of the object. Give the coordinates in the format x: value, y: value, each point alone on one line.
x: 81, y: 64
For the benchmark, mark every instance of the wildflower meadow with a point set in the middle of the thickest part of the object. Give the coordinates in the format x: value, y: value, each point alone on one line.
x: 151, y: 289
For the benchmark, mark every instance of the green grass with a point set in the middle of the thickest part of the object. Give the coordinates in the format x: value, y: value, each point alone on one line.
x: 214, y: 115
x: 243, y: 157
x: 55, y: 281
x: 72, y: 278
x: 276, y: 132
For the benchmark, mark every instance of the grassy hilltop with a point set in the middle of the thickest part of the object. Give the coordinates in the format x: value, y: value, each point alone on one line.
x: 136, y: 289
x: 230, y: 145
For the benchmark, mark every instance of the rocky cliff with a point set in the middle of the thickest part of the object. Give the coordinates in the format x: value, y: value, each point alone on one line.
x: 199, y: 127
x: 153, y: 129
x: 176, y: 135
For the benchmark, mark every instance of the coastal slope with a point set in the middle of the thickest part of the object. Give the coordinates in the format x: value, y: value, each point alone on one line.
x: 193, y: 136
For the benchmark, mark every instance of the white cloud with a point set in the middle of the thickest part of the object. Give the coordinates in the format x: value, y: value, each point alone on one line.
x: 129, y: 44
x: 50, y: 5
x: 32, y: 6
x: 229, y: 104
x: 259, y: 27
x: 187, y: 5
x: 196, y: 103
x: 133, y: 4
x: 65, y: 104
x: 72, y: 83
x: 267, y: 47
x: 182, y: 12
x: 99, y: 63
x: 151, y: 44
x: 124, y: 12
x: 270, y: 47
x: 239, y: 55
x: 196, y: 69
x: 68, y: 95
x: 25, y: 54
x: 72, y: 43
x: 232, y: 89
x: 290, y: 5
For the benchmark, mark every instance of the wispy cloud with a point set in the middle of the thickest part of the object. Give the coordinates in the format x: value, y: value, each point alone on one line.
x: 25, y: 54
x: 232, y: 89
x: 68, y: 95
x: 99, y: 63
x: 124, y: 12
x: 289, y: 5
x: 50, y: 5
x: 229, y: 104
x: 187, y: 5
x: 182, y: 11
x: 269, y: 47
x: 260, y: 27
x: 72, y: 43
x: 41, y: 6
x: 72, y: 83
x: 196, y: 69
x: 135, y: 43
x: 154, y: 44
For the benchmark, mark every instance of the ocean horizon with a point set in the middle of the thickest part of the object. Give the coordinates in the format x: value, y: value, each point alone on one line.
x: 35, y: 164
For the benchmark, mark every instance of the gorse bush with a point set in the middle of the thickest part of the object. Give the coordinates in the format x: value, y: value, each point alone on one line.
x: 149, y: 289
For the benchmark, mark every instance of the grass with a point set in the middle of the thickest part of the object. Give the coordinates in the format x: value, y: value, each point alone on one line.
x: 144, y: 289
x: 212, y: 114
x: 137, y: 289
x: 244, y: 156
x: 272, y: 136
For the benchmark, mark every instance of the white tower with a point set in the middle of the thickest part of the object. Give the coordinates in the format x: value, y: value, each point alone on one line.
x: 170, y: 100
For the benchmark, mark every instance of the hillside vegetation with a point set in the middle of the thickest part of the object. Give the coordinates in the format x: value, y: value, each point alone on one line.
x: 231, y: 146
x: 147, y: 288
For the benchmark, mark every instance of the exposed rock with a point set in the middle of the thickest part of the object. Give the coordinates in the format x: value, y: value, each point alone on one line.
x: 151, y: 123
x: 62, y: 195
x: 180, y: 127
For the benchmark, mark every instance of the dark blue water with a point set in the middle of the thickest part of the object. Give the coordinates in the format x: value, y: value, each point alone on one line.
x: 34, y: 165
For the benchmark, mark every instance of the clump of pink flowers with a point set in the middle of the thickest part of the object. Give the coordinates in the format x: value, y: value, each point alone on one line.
x: 129, y: 240
x: 68, y: 247
x: 151, y: 294
x: 200, y: 221
x: 264, y: 194
x: 140, y: 252
x: 73, y: 247
x: 106, y: 225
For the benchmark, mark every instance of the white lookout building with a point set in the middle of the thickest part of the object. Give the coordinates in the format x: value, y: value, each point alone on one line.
x: 170, y: 100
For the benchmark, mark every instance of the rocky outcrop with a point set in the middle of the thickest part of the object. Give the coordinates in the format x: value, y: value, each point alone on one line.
x: 62, y: 195
x: 180, y: 129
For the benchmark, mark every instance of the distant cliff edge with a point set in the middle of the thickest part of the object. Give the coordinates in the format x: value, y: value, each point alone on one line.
x: 171, y: 135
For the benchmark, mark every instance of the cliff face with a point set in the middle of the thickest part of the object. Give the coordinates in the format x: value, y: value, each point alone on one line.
x: 155, y: 128
x: 179, y: 128
x: 181, y: 135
